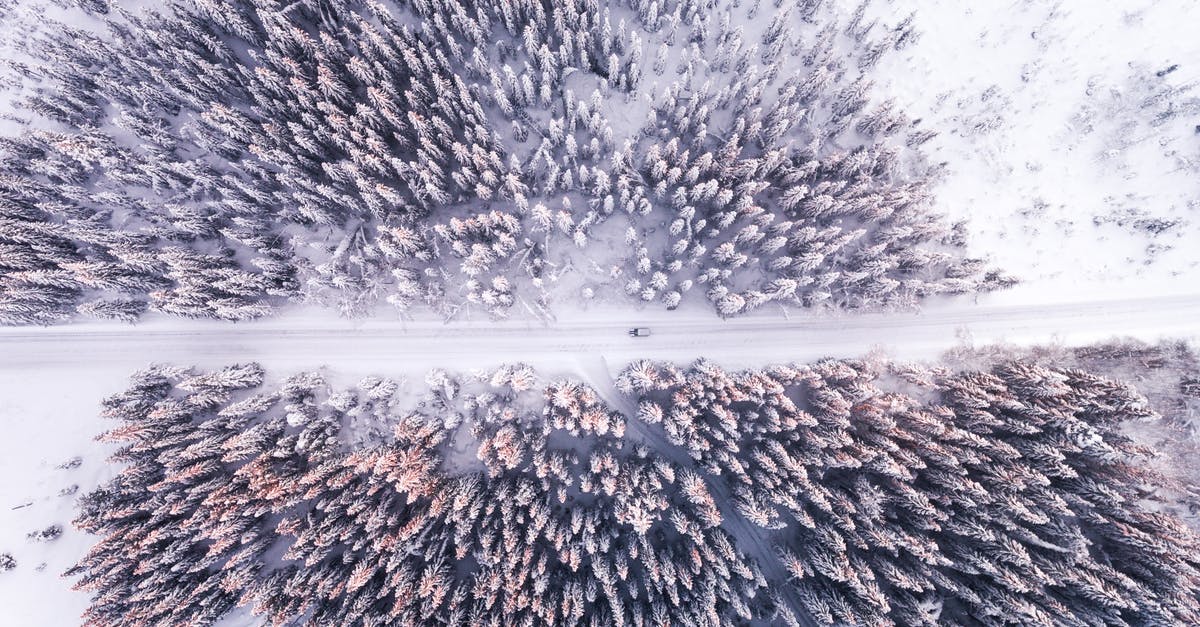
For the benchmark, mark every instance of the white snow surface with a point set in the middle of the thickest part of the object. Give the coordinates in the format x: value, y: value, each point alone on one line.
x: 49, y: 417
x: 1046, y: 113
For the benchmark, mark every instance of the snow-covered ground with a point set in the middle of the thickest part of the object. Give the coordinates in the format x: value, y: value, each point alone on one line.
x: 1059, y: 153
x: 49, y: 418
x: 1063, y: 145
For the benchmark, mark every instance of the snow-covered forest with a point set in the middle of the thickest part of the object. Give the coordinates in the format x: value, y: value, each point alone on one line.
x: 851, y: 255
x: 219, y: 159
x: 851, y: 492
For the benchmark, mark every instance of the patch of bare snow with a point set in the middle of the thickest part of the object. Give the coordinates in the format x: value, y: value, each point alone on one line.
x: 1069, y: 134
x: 49, y: 420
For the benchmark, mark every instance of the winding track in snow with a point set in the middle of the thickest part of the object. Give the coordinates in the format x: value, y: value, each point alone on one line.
x: 307, y: 341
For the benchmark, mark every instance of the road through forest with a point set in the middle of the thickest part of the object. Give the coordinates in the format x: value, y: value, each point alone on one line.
x: 301, y: 341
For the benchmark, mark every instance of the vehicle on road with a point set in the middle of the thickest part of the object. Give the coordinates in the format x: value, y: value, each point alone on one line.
x: 639, y: 332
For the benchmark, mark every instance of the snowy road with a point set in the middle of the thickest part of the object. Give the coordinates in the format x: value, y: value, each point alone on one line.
x: 302, y: 341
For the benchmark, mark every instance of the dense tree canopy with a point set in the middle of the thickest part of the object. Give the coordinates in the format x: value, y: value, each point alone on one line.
x: 218, y: 158
x: 842, y: 492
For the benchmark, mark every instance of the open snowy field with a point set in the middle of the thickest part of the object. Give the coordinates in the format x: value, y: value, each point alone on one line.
x: 43, y: 436
x: 1070, y: 133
